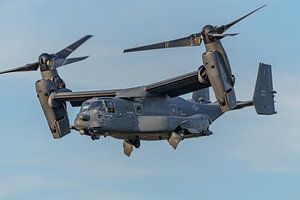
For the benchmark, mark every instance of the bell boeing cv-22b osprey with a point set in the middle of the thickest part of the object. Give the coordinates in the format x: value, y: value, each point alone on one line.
x: 154, y: 111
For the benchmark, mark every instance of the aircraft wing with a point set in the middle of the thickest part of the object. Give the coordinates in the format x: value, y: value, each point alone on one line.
x: 77, y: 98
x: 177, y: 86
x: 172, y: 87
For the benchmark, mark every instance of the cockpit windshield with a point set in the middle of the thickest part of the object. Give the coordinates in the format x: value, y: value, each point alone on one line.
x: 85, y: 106
x: 97, y: 105
x: 107, y: 106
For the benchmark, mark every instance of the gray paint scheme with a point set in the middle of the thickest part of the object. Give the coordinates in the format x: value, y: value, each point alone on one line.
x: 154, y: 111
x: 201, y: 96
x: 158, y: 120
x: 263, y: 98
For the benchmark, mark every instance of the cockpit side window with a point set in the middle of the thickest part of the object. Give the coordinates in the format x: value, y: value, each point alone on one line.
x: 97, y: 105
x: 110, y: 106
x: 138, y: 107
x: 105, y: 106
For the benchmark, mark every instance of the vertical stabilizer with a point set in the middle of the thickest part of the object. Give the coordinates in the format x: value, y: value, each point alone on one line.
x: 201, y: 96
x: 263, y: 99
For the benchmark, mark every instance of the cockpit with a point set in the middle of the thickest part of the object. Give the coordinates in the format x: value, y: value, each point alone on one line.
x: 104, y: 105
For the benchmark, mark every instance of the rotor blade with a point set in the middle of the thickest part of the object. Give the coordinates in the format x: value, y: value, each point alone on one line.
x: 25, y: 68
x: 62, y: 61
x: 223, y: 28
x: 221, y: 35
x: 192, y: 40
x: 68, y: 50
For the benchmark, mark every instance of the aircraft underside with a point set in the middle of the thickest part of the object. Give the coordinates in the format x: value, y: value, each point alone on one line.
x: 154, y: 136
x: 133, y: 139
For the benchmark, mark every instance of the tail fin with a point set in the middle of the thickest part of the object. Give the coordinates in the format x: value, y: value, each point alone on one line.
x: 201, y: 96
x: 263, y: 98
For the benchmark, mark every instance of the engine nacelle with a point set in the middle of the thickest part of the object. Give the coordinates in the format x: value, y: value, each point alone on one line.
x: 221, y: 82
x: 56, y: 116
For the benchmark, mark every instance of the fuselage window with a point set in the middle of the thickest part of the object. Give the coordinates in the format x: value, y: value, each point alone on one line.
x: 138, y: 109
x: 173, y: 109
x: 110, y: 106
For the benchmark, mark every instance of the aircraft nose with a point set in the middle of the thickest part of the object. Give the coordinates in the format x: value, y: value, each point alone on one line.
x: 82, y: 121
x: 85, y: 117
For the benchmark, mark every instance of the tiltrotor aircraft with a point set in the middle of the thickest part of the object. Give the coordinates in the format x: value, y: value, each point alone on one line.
x: 155, y: 111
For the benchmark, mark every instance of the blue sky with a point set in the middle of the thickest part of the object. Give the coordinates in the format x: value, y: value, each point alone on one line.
x: 248, y: 157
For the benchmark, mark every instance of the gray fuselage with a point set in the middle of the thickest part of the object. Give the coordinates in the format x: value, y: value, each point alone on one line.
x: 152, y: 118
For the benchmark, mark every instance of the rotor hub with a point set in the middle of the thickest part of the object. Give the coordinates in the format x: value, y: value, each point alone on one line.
x: 44, y: 61
x: 206, y: 31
